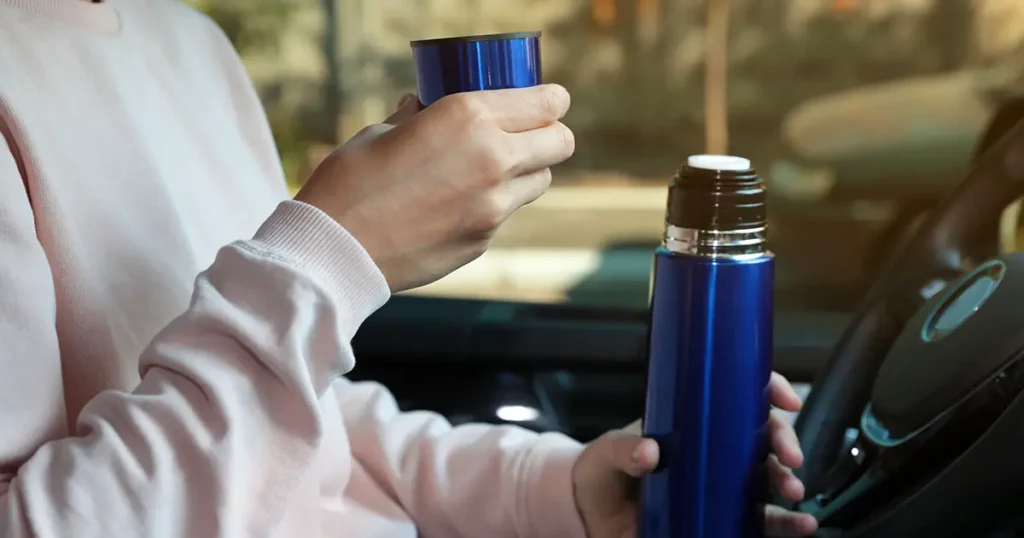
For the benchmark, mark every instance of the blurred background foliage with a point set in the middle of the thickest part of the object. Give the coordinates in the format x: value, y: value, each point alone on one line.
x: 327, y: 67
x: 860, y: 113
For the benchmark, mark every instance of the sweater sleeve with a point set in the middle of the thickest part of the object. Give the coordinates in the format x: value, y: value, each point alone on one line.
x: 226, y: 418
x: 465, y: 481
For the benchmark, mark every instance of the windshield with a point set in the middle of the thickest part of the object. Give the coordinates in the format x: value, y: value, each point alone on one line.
x: 860, y: 114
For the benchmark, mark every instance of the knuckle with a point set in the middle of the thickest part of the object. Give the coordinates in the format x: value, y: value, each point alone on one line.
x: 545, y: 178
x: 495, y: 162
x: 477, y: 248
x: 546, y: 102
x: 541, y: 183
x: 546, y: 185
x: 489, y: 218
x: 372, y: 129
x: 466, y: 107
x: 553, y: 99
x: 483, y: 219
x: 367, y: 134
x: 568, y: 141
x: 375, y: 130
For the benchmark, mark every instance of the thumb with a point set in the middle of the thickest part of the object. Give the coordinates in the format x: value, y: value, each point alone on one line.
x: 408, y: 106
x: 630, y: 453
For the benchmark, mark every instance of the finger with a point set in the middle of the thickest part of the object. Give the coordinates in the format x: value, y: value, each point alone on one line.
x: 522, y: 109
x: 784, y: 441
x: 631, y: 454
x: 783, y: 395
x: 541, y: 148
x: 781, y: 523
x: 522, y: 190
x: 408, y: 106
x: 784, y: 481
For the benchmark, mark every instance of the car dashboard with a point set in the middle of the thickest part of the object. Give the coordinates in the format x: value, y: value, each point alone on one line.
x: 578, y: 370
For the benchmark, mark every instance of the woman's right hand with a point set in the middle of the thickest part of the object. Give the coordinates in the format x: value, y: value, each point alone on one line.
x: 426, y: 196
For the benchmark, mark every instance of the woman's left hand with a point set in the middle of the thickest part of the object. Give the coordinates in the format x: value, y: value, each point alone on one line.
x: 605, y: 477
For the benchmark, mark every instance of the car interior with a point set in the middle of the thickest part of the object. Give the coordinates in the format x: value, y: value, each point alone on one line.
x: 915, y: 416
x: 891, y: 138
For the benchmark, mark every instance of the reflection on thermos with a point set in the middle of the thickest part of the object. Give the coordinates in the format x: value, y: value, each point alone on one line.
x: 710, y: 356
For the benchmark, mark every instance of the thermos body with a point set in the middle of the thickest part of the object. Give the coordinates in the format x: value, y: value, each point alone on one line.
x: 472, y: 63
x: 707, y: 403
x: 709, y: 362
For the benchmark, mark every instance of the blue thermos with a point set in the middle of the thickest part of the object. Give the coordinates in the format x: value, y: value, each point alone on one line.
x: 710, y: 356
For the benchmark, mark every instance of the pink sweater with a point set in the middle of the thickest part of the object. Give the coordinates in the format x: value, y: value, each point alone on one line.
x: 139, y: 399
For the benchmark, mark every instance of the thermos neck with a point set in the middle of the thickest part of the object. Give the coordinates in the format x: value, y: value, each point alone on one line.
x: 716, y: 208
x: 738, y: 244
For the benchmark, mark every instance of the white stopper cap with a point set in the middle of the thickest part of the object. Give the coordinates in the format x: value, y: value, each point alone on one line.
x: 718, y: 162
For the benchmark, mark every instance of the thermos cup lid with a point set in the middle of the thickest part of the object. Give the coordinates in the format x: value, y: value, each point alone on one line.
x: 718, y: 162
x: 476, y: 62
x: 474, y: 38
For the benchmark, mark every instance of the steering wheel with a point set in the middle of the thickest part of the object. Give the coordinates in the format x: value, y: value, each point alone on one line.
x: 911, y: 389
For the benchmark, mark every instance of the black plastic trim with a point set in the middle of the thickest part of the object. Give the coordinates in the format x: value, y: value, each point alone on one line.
x: 513, y: 335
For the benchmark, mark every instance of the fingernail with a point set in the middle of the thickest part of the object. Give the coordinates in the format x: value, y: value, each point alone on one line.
x: 638, y: 454
x: 405, y: 99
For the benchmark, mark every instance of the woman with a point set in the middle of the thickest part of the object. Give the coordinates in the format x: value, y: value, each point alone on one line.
x: 138, y: 399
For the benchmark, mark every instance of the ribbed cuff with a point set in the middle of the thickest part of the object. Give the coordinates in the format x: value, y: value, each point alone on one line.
x: 317, y: 244
x: 550, y: 500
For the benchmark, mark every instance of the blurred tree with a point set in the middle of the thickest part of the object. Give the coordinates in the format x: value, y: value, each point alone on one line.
x: 251, y: 25
x: 635, y: 67
x: 950, y: 33
x: 332, y: 94
x: 644, y: 113
x: 846, y: 5
x: 604, y: 12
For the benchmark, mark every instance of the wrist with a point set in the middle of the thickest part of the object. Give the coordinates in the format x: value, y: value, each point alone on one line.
x: 576, y: 494
x: 320, y: 192
x: 307, y: 238
x: 549, y: 494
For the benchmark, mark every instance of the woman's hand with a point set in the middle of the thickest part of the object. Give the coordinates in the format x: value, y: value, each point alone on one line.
x: 426, y: 196
x: 605, y: 478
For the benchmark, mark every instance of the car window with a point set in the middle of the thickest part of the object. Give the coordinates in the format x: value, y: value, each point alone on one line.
x: 860, y: 113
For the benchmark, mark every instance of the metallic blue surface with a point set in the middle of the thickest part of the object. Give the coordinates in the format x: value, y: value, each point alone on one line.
x: 462, y: 64
x: 707, y: 397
